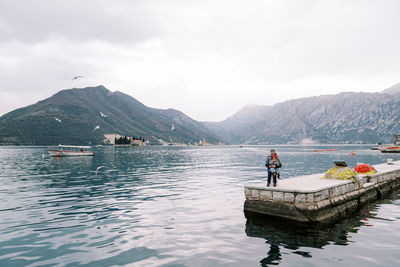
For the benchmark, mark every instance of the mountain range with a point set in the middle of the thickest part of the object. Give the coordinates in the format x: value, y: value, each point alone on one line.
x: 80, y: 116
x: 342, y: 118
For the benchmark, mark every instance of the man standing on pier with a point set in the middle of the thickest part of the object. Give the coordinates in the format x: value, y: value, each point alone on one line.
x: 273, y: 164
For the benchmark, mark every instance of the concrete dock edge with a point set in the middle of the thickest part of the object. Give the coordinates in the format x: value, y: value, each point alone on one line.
x: 323, y: 205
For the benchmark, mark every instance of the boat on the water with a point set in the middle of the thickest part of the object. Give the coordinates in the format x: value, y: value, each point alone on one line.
x: 321, y: 150
x: 395, y: 148
x: 68, y: 151
x: 391, y: 149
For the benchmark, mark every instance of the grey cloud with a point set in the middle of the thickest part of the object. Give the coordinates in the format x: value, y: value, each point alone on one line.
x: 113, y: 21
x: 183, y: 54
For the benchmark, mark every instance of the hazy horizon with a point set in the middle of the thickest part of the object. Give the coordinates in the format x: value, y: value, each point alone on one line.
x: 207, y: 59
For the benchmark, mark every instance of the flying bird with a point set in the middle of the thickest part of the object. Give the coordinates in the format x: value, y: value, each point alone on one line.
x: 57, y: 119
x: 99, y: 168
x: 76, y: 77
x: 96, y: 128
x: 103, y: 115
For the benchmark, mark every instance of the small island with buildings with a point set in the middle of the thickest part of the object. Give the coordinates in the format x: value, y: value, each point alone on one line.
x: 123, y: 140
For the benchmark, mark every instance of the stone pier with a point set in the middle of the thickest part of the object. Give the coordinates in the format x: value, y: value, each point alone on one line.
x: 312, y: 199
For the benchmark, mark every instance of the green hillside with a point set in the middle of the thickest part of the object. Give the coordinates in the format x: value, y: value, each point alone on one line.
x: 71, y: 116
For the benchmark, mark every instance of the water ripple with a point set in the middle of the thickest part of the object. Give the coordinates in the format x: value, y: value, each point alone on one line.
x: 175, y: 207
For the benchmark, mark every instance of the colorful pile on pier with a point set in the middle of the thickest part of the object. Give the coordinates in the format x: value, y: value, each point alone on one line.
x: 363, y: 168
x: 341, y: 172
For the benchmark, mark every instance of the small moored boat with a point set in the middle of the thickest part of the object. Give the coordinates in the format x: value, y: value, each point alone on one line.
x: 391, y: 149
x: 321, y: 150
x: 395, y: 148
x: 67, y: 151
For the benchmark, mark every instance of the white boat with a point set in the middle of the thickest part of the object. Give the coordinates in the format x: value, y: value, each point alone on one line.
x: 67, y: 151
x: 395, y: 148
x: 390, y: 149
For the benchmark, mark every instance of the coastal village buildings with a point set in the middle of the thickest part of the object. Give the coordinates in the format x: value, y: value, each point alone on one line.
x: 138, y: 143
x: 110, y: 140
x: 204, y: 143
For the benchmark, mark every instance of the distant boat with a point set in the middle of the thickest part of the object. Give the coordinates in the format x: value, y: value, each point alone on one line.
x: 391, y: 149
x: 68, y: 151
x: 321, y: 150
x: 375, y: 148
x: 395, y: 148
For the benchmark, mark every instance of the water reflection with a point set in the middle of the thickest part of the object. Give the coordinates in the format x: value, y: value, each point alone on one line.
x: 273, y: 256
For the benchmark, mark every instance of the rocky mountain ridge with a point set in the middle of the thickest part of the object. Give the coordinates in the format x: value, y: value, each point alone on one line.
x: 343, y: 118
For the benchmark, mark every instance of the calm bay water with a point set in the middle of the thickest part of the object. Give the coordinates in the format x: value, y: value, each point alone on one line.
x: 171, y: 206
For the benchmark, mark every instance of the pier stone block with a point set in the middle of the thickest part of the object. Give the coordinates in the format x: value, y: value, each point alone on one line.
x: 336, y: 191
x: 335, y: 200
x: 352, y: 187
x: 342, y: 189
x: 310, y: 198
x: 321, y: 195
x: 345, y: 189
x: 323, y: 204
x: 330, y: 191
x: 278, y: 196
x: 324, y: 194
x: 289, y: 197
x: 312, y: 207
x: 357, y: 186
x: 266, y: 195
x: 247, y: 192
x: 348, y: 188
x: 300, y: 198
x: 254, y: 193
x: 351, y: 195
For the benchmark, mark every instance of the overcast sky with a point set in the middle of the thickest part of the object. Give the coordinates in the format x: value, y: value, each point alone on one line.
x: 205, y: 58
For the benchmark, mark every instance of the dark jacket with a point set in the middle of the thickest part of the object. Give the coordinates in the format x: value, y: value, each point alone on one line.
x: 277, y: 163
